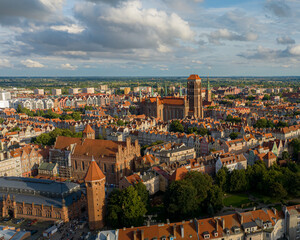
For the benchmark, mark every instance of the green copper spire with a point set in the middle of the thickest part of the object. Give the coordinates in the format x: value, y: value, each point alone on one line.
x: 152, y: 93
x: 208, y: 84
x: 140, y: 93
x: 180, y: 90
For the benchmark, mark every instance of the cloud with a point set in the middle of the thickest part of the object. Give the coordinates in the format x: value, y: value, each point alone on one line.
x: 12, y: 11
x: 73, y: 28
x: 239, y: 21
x: 32, y: 64
x: 5, y: 63
x: 225, y: 34
x: 295, y: 50
x: 110, y: 2
x: 285, y: 40
x: 128, y: 30
x: 68, y: 66
x: 272, y: 54
x: 278, y: 8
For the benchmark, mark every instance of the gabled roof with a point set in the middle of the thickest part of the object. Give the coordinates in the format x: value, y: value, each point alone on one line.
x: 179, y: 174
x: 88, y: 129
x: 94, y: 173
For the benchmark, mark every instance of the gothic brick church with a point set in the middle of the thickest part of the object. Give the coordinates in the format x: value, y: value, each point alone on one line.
x: 168, y: 108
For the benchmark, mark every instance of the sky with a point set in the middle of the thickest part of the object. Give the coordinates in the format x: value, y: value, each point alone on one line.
x: 149, y: 38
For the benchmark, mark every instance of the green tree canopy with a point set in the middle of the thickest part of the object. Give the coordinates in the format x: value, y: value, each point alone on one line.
x: 125, y: 208
x: 176, y: 126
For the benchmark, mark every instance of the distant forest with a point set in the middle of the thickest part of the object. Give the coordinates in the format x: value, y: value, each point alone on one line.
x: 116, y: 82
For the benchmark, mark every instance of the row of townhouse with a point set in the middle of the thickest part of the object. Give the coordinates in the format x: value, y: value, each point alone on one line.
x: 32, y: 103
x: 263, y: 224
x: 82, y: 100
x: 21, y: 162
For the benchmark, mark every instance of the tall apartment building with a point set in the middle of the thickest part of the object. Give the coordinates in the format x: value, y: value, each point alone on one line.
x: 39, y: 91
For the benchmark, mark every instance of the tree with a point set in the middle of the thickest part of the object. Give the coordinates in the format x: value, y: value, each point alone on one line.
x: 296, y: 148
x: 142, y: 192
x: 222, y: 178
x: 285, y: 155
x: 120, y: 123
x: 203, y: 131
x: 277, y: 191
x: 76, y: 116
x: 214, y: 200
x: 125, y: 208
x: 202, y: 183
x: 181, y: 199
x: 234, y: 135
x: 176, y: 126
x: 266, y: 97
x: 238, y: 181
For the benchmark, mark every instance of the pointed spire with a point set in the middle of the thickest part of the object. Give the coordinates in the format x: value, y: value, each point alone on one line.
x: 180, y: 90
x: 94, y: 173
x: 152, y: 93
x: 208, y: 84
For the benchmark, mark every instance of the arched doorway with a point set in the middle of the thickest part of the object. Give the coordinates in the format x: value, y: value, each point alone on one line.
x: 11, y: 213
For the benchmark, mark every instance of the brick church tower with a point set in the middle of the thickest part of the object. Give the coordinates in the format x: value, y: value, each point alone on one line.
x: 194, y: 92
x: 88, y: 132
x: 95, y: 189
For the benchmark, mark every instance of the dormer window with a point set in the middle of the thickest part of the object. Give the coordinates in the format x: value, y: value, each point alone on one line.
x: 206, y: 236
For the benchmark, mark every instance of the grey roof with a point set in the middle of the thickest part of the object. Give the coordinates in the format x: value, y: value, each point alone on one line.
x: 47, y: 166
x: 36, y: 185
x: 249, y: 225
x: 39, y: 191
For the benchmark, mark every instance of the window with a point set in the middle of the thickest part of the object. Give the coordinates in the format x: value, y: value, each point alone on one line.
x: 113, y: 168
x: 82, y: 165
x: 104, y: 167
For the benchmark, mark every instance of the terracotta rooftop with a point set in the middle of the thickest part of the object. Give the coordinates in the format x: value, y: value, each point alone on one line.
x: 88, y: 129
x: 94, y: 173
x: 194, y: 77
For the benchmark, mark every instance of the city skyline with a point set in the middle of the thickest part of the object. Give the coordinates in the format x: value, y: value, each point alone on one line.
x: 142, y: 38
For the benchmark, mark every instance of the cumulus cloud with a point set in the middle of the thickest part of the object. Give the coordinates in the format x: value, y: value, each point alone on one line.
x: 238, y: 20
x: 273, y: 54
x: 12, y: 11
x: 109, y: 31
x: 225, y: 34
x: 285, y: 40
x: 32, y: 64
x: 5, y: 63
x: 278, y: 8
x: 68, y: 66
x: 73, y: 28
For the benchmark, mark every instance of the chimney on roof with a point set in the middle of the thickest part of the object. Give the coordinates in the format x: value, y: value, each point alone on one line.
x: 217, y: 224
x: 240, y: 217
x: 134, y: 235
x: 107, y: 236
x: 142, y: 235
x: 182, y: 231
x: 174, y: 231
x: 223, y: 223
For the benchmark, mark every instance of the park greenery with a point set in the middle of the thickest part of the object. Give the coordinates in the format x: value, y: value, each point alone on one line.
x: 48, y: 139
x: 199, y: 194
x: 192, y: 196
x: 234, y: 135
x: 232, y: 119
x: 264, y: 123
x: 50, y: 114
x: 127, y: 207
x: 176, y: 126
